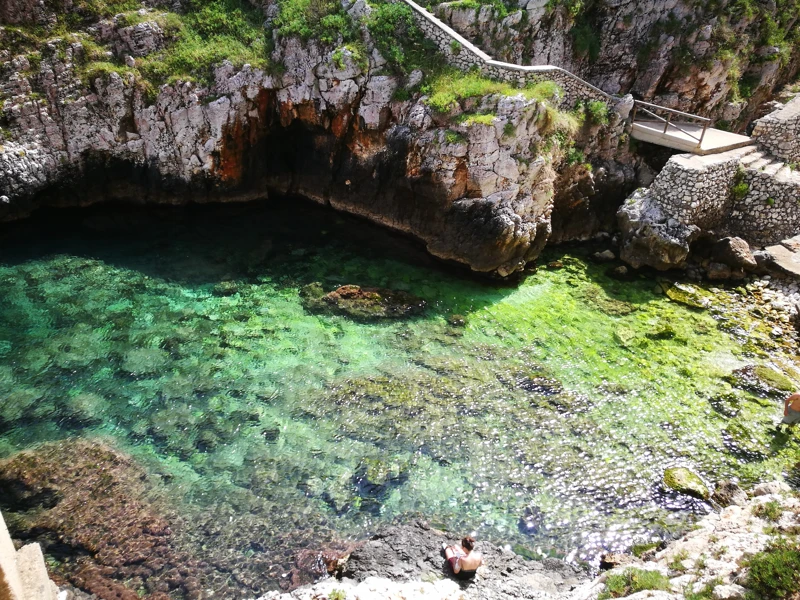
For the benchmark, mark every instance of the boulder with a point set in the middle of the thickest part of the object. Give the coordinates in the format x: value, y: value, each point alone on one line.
x: 728, y: 592
x: 770, y: 487
x: 649, y: 238
x: 728, y: 493
x: 684, y: 481
x: 718, y: 271
x: 761, y: 380
x: 734, y: 252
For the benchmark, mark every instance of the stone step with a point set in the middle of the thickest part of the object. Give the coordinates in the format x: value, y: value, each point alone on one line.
x: 773, y: 167
x: 752, y: 157
x: 785, y: 173
x: 759, y: 164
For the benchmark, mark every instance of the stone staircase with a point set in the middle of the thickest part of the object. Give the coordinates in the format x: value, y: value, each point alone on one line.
x: 759, y: 161
x: 684, y: 135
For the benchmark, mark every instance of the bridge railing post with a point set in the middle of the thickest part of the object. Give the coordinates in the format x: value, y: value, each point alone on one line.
x: 666, y: 125
x: 703, y: 133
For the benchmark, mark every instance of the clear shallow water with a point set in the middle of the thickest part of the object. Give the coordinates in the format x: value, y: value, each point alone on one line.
x: 545, y: 422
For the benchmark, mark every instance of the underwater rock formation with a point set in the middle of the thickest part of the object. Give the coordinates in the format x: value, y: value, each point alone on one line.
x: 362, y: 303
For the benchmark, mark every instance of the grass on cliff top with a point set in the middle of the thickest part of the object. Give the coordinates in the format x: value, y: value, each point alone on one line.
x: 209, y: 32
x: 632, y: 581
x: 323, y: 20
x: 446, y: 90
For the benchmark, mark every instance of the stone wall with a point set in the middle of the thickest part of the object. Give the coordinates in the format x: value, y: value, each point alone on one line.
x: 696, y: 190
x: 779, y: 132
x: 461, y: 53
x: 770, y: 211
x: 23, y: 575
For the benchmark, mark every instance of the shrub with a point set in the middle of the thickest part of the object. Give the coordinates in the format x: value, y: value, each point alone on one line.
x: 575, y: 156
x: 337, y: 595
x: 774, y: 573
x: 400, y: 41
x: 585, y: 41
x: 209, y: 32
x: 740, y: 190
x: 455, y: 47
x: 597, y: 112
x: 324, y: 20
x: 632, y: 581
x: 509, y: 129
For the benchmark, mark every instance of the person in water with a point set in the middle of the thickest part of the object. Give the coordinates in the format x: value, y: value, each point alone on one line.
x: 791, y: 410
x: 463, y: 559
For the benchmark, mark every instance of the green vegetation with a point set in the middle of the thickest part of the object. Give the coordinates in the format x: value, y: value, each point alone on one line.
x: 676, y: 563
x: 509, y: 129
x: 638, y: 550
x: 704, y: 593
x: 597, y: 112
x: 455, y: 47
x: 324, y: 20
x: 774, y: 573
x: 400, y: 41
x: 769, y: 511
x: 337, y: 594
x: 448, y: 88
x: 575, y: 156
x: 476, y: 118
x: 632, y: 581
x: 740, y: 190
x: 585, y: 40
x: 453, y: 137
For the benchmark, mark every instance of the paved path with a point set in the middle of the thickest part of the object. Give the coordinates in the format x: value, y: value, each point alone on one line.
x: 715, y: 140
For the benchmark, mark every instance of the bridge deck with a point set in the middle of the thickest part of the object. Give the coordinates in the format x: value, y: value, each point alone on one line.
x: 715, y: 140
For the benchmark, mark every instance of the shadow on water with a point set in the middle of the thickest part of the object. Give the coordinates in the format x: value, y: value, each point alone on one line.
x: 292, y: 241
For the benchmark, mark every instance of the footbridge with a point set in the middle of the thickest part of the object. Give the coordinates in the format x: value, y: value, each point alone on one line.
x: 650, y: 123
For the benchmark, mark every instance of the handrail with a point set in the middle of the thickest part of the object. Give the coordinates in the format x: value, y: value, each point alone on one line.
x: 667, y: 121
x: 672, y: 110
x: 489, y: 61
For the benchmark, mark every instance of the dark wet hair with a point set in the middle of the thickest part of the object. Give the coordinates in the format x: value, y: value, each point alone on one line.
x: 468, y: 543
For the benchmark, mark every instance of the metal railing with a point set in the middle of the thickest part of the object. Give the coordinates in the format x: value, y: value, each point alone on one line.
x: 639, y: 105
x: 489, y: 61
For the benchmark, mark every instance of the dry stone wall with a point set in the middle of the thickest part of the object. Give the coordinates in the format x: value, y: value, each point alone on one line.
x: 770, y: 211
x: 696, y: 191
x: 779, y: 132
x: 461, y: 53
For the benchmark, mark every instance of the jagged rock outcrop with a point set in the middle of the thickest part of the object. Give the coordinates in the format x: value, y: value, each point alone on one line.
x: 479, y: 192
x: 715, y: 60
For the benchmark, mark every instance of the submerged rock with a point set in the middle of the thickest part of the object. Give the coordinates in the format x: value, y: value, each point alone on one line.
x: 361, y: 303
x: 684, y: 481
x: 761, y: 380
x: 685, y: 293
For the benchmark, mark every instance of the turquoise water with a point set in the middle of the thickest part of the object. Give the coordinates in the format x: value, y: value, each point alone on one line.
x: 544, y: 421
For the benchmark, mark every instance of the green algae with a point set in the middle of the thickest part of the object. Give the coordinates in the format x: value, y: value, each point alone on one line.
x: 682, y: 480
x: 565, y: 397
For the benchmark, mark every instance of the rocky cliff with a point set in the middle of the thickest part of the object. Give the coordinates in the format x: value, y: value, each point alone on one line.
x: 720, y: 59
x: 329, y: 121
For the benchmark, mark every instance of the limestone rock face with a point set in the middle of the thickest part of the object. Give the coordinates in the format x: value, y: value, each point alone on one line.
x: 326, y: 129
x: 665, y: 51
x: 651, y: 238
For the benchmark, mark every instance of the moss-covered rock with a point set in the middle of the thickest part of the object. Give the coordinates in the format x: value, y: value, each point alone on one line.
x: 361, y: 303
x: 684, y: 481
x: 761, y: 379
x: 688, y: 294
